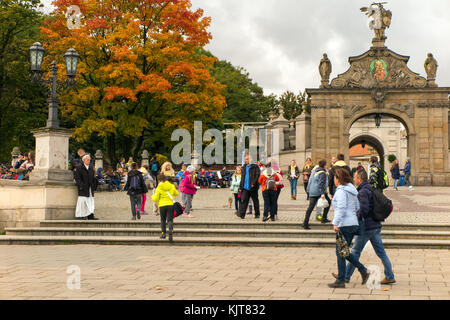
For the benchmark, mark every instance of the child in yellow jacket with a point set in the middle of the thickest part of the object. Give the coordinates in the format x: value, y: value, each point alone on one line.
x: 165, y: 197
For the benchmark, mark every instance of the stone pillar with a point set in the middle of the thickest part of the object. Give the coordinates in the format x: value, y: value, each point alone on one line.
x: 14, y: 155
x: 303, y: 132
x: 280, y: 123
x: 145, y: 157
x: 52, y: 152
x: 98, y: 159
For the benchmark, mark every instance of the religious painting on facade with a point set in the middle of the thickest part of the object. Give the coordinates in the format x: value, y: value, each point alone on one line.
x: 378, y: 69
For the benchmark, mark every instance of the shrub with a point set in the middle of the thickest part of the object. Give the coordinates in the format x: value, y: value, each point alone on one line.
x: 392, y: 158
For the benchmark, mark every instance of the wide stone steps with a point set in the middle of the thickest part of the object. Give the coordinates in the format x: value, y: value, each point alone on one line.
x: 245, y: 224
x: 216, y: 241
x: 214, y: 232
x: 235, y: 233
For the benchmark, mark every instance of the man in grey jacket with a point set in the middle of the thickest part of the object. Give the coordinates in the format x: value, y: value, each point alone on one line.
x: 317, y: 188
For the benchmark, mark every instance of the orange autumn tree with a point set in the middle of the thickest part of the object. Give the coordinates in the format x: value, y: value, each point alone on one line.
x: 140, y: 71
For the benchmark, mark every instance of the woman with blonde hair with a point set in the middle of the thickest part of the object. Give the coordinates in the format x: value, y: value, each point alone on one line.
x: 167, y: 170
x: 235, y: 183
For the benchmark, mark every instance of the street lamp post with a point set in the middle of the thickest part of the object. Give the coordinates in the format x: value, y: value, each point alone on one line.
x: 52, y: 141
x: 36, y: 57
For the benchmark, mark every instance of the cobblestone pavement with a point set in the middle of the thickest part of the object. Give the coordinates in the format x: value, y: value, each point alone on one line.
x: 423, y: 205
x: 204, y: 273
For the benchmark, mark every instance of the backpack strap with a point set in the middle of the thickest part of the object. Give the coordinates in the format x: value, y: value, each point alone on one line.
x: 170, y: 197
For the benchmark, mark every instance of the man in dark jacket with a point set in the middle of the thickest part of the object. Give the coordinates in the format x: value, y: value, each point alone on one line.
x: 370, y: 229
x: 249, y: 187
x: 136, y: 187
x: 340, y: 163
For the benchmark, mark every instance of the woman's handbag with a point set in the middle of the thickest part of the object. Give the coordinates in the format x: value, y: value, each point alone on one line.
x: 177, y: 208
x: 342, y: 246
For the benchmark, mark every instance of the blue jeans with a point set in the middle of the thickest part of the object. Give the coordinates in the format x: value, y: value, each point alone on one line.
x: 374, y: 236
x: 349, y: 233
x: 294, y: 187
x: 395, y: 183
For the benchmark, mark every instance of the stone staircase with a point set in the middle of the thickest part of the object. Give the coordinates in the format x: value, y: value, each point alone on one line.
x: 191, y: 233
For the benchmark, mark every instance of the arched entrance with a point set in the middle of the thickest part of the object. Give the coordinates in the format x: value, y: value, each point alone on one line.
x: 365, y: 140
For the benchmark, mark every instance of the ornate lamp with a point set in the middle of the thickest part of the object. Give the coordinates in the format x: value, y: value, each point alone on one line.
x: 36, y: 57
x: 71, y: 58
x: 378, y: 120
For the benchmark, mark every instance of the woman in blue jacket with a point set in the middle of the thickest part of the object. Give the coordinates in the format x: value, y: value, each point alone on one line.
x: 346, y: 204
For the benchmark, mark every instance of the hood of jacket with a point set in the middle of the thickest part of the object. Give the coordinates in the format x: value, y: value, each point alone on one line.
x: 350, y: 188
x: 266, y: 172
x: 339, y: 163
x: 165, y: 186
x: 133, y: 173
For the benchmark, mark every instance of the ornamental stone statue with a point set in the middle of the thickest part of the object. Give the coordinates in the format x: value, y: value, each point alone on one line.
x: 381, y: 19
x: 431, y: 66
x: 325, y: 71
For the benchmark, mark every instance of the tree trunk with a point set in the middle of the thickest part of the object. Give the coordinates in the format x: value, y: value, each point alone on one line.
x: 138, y: 146
x: 111, y: 145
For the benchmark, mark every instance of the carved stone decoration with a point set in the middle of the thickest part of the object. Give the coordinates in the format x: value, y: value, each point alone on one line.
x: 379, y: 95
x: 350, y: 111
x: 379, y: 68
x: 406, y: 109
x: 431, y: 66
x: 325, y: 69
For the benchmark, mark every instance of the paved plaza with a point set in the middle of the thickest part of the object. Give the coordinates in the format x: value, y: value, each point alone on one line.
x: 423, y: 205
x: 203, y: 273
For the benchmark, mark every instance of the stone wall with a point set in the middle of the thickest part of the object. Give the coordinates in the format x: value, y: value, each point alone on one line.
x: 25, y: 203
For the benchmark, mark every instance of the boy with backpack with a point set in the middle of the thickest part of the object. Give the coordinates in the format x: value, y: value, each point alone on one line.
x: 136, y: 187
x: 374, y: 208
x: 268, y: 180
x: 164, y: 195
x: 378, y: 178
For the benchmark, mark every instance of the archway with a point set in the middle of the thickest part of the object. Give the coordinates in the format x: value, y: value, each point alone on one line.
x: 363, y: 153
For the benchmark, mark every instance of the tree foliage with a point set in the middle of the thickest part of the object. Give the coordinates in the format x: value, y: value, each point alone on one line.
x: 22, y: 103
x: 141, y: 74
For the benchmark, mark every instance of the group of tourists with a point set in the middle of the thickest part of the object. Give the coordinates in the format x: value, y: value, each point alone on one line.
x: 354, y: 198
x: 21, y: 168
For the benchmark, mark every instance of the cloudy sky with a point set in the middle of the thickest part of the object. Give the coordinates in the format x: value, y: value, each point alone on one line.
x: 281, y: 42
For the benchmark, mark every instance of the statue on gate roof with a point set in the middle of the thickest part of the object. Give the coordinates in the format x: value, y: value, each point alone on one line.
x: 381, y: 19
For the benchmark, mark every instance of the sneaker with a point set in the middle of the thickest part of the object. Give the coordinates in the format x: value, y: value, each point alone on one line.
x: 134, y: 218
x: 256, y: 216
x: 272, y: 219
x: 326, y: 221
x: 335, y: 275
x: 384, y: 281
x: 306, y: 227
x: 265, y: 219
x: 170, y: 236
x: 139, y: 215
x: 144, y: 213
x: 163, y: 235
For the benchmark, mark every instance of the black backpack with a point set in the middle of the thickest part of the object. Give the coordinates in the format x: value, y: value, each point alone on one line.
x: 382, y: 206
x: 135, y: 183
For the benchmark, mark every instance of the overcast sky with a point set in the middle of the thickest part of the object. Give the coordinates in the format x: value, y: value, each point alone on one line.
x: 281, y: 42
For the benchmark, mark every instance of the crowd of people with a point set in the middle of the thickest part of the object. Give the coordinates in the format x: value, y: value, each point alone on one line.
x: 352, y: 193
x: 20, y: 170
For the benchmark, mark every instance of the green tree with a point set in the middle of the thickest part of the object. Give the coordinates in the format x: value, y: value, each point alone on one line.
x: 22, y: 103
x: 245, y: 99
x: 292, y: 104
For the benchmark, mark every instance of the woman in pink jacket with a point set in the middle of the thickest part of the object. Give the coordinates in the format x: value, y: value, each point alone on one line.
x: 188, y: 189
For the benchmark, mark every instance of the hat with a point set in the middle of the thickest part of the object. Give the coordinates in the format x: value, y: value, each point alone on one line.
x: 191, y: 169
